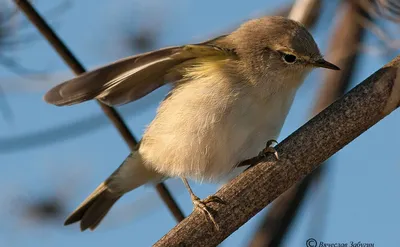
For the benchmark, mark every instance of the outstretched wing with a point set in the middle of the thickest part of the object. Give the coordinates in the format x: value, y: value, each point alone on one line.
x: 131, y: 78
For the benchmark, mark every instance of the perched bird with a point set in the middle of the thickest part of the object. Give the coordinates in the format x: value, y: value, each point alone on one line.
x: 231, y: 95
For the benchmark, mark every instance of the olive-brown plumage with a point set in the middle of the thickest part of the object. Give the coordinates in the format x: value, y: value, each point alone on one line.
x: 230, y: 96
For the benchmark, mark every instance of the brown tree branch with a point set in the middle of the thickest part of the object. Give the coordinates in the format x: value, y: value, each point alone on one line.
x: 346, y: 37
x: 300, y: 154
x: 111, y: 113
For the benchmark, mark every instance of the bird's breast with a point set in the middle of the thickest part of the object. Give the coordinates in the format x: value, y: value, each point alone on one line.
x: 206, y: 127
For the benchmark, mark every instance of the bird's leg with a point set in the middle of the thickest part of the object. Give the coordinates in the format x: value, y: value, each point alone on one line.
x: 202, y: 204
x: 269, y: 149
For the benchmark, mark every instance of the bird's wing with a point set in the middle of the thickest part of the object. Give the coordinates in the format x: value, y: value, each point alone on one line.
x: 131, y: 78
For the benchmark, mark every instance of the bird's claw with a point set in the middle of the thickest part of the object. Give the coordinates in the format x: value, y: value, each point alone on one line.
x: 202, y: 206
x: 269, y: 149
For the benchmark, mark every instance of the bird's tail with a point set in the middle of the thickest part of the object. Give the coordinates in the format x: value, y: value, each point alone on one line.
x: 94, y: 208
x: 130, y: 175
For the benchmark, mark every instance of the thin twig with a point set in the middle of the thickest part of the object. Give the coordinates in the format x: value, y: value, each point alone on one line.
x: 111, y: 113
x: 300, y: 153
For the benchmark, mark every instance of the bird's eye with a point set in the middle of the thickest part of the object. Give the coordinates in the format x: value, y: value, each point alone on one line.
x: 289, y: 58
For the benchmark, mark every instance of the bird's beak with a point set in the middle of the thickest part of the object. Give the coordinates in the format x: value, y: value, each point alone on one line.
x: 321, y: 63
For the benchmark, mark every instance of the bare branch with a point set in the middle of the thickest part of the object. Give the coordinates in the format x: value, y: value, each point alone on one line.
x: 300, y: 154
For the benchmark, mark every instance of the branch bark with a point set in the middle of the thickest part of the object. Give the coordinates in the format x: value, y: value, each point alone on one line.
x: 300, y: 153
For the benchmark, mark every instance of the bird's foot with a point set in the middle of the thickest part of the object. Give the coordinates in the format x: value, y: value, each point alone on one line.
x: 202, y: 206
x: 255, y: 160
x: 269, y: 149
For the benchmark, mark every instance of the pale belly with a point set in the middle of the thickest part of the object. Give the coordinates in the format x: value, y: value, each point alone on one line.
x: 204, y: 138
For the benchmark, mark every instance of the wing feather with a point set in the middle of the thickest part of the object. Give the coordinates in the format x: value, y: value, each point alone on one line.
x: 131, y: 78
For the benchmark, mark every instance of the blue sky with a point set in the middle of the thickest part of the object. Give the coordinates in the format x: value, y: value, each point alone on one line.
x: 358, y: 199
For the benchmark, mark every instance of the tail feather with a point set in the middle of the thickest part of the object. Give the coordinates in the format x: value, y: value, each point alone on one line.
x: 95, y: 214
x: 94, y: 208
x: 130, y: 175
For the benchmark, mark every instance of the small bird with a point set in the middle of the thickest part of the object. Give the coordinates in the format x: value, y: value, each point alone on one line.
x: 230, y: 96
